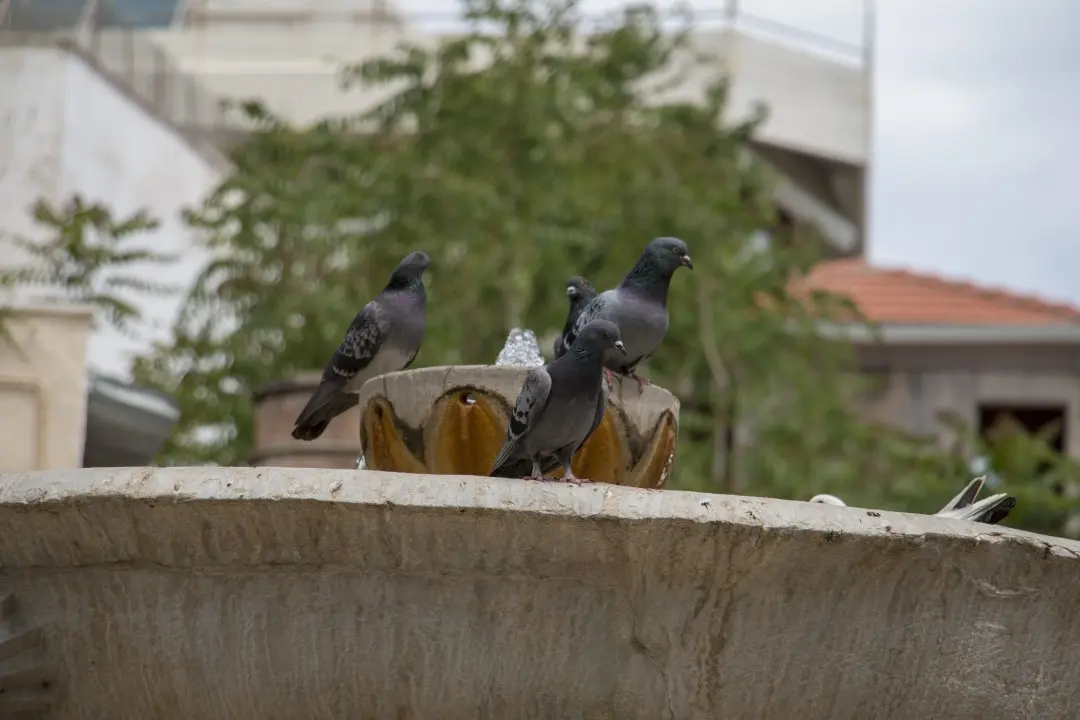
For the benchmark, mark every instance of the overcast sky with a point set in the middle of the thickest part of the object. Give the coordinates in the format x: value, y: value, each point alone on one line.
x: 976, y: 157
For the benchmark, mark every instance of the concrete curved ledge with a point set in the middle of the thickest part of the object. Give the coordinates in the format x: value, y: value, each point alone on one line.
x: 259, y: 593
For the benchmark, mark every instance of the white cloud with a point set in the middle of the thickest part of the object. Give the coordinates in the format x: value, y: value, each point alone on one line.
x: 973, y: 134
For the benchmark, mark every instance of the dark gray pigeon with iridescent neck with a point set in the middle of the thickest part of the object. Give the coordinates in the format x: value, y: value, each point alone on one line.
x: 383, y: 337
x: 580, y: 293
x: 558, y: 408
x: 638, y: 306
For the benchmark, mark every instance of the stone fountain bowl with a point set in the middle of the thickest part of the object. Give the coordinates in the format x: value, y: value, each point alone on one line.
x: 452, y: 420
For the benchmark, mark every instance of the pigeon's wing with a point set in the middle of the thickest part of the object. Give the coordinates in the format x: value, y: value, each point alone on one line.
x: 994, y: 509
x: 598, y: 416
x: 530, y: 403
x: 362, y: 341
x: 966, y: 496
x: 572, y: 314
x: 557, y: 347
x: 991, y: 510
x: 594, y: 309
x: 588, y: 295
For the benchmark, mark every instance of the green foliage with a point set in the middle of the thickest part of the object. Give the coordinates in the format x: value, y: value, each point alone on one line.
x: 517, y: 155
x: 88, y: 257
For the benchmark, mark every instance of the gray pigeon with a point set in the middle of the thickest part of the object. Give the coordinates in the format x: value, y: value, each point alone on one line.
x: 989, y: 511
x: 559, y: 406
x: 638, y: 306
x: 580, y: 293
x: 383, y: 337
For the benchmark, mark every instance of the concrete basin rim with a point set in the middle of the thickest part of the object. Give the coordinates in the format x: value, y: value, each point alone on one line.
x: 54, y: 489
x: 445, y: 371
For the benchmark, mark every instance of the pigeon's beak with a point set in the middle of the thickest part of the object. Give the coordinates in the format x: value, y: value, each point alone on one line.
x: 686, y: 262
x: 570, y: 292
x: 620, y: 347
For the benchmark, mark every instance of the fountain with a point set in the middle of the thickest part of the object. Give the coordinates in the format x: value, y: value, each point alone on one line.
x: 452, y: 420
x: 303, y: 592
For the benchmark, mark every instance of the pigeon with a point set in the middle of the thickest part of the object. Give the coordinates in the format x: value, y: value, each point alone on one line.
x: 580, y: 293
x: 383, y: 337
x: 559, y: 406
x: 638, y: 306
x: 989, y: 511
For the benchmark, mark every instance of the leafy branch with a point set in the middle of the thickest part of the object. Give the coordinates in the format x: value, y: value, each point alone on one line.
x: 87, y: 256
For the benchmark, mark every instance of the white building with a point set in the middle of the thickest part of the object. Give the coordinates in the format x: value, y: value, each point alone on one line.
x: 117, y: 100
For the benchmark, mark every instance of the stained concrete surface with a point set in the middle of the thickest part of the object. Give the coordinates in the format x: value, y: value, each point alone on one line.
x: 266, y: 593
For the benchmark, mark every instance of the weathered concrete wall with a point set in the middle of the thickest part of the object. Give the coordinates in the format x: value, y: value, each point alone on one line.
x: 287, y: 593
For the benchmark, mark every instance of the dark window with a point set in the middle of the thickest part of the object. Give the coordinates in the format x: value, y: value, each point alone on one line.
x: 44, y: 15
x: 138, y: 13
x: 994, y: 420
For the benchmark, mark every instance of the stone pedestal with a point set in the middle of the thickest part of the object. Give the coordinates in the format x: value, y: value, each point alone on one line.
x: 453, y: 420
x: 276, y: 407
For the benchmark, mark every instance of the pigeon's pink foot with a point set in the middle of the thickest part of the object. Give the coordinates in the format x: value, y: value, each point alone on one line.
x: 575, y: 480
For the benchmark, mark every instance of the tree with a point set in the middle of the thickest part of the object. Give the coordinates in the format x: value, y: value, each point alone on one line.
x: 516, y: 155
x: 87, y: 256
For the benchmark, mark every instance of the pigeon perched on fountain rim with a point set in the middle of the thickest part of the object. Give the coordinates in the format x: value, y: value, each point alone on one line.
x: 558, y: 407
x: 638, y: 305
x: 385, y: 336
x: 580, y: 293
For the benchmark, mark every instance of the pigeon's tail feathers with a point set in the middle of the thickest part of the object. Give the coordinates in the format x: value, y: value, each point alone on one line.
x: 966, y: 496
x: 990, y: 511
x: 328, y: 401
x: 506, y: 465
x: 530, y: 402
x: 511, y: 468
x: 522, y: 467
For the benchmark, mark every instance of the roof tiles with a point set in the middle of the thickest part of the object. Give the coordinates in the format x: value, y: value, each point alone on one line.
x: 893, y: 296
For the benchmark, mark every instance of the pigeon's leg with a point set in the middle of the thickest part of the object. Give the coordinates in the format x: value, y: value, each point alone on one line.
x: 565, y: 456
x: 537, y: 474
x: 641, y: 382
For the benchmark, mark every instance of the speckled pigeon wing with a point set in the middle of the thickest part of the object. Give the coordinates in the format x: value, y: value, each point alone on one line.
x: 590, y: 312
x: 601, y: 407
x: 530, y: 403
x: 362, y: 342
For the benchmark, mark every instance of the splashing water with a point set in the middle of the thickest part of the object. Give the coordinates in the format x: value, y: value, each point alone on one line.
x: 521, y: 349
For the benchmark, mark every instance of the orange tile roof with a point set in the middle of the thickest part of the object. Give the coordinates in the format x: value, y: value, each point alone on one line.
x: 904, y: 297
